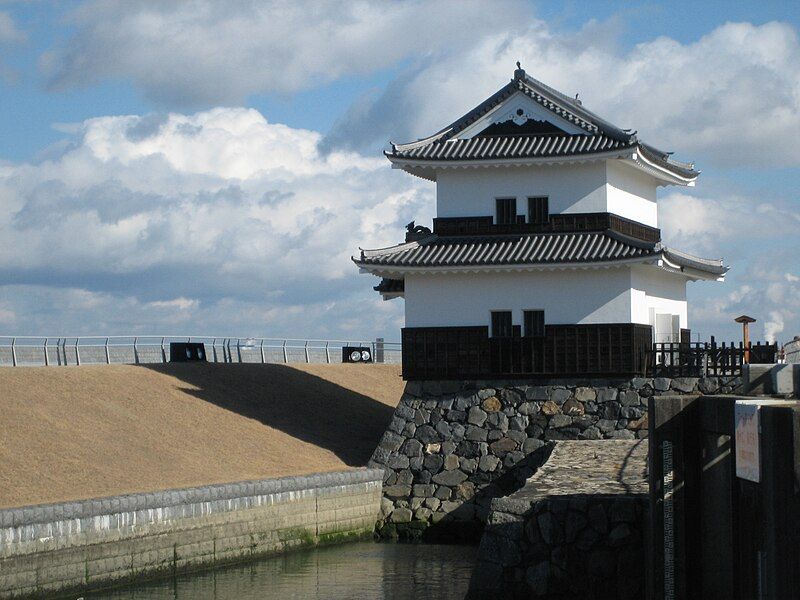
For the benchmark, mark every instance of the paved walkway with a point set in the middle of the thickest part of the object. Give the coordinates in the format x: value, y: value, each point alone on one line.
x: 603, y: 467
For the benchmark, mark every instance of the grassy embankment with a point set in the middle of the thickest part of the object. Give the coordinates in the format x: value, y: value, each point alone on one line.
x: 80, y: 432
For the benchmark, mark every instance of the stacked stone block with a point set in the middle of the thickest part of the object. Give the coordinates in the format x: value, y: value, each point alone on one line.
x: 575, y: 530
x: 453, y: 446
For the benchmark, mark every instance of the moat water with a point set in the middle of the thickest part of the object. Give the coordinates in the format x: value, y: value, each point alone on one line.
x: 361, y: 570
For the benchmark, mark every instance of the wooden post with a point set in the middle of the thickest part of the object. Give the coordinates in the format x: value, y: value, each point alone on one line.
x: 745, y: 321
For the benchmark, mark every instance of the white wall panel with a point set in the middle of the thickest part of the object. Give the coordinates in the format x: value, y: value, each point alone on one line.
x: 631, y: 193
x: 472, y: 192
x: 567, y: 297
x: 656, y: 289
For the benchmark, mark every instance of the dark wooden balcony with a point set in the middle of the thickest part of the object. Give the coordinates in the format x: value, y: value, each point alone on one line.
x: 557, y: 223
x: 603, y: 350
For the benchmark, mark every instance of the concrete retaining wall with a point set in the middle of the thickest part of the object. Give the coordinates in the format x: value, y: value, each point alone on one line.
x: 82, y: 545
x: 453, y: 446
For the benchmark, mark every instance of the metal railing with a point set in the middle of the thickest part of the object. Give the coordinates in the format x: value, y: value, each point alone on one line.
x: 152, y: 349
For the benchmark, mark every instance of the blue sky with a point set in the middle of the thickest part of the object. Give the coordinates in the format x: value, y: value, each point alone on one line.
x: 209, y: 167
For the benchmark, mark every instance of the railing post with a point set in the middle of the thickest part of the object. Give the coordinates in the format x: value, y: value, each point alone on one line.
x: 230, y: 356
x: 327, y: 352
x: 14, y: 352
x: 46, y: 358
x: 77, y: 352
x: 238, y: 349
x: 108, y: 355
x: 163, y: 352
x: 308, y: 360
x: 64, y: 350
x: 262, y: 352
x: 135, y: 351
x: 285, y: 356
x: 379, y: 355
x: 214, y: 348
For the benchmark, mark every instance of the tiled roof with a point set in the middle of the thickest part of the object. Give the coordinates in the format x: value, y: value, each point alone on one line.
x: 559, y: 248
x: 532, y: 249
x: 524, y: 146
x: 598, y: 134
x: 684, y: 259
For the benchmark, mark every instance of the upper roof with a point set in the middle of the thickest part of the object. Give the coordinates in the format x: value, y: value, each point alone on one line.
x: 578, y: 132
x: 542, y: 250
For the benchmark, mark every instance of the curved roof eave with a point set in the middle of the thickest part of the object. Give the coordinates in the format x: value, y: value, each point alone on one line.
x: 561, y: 105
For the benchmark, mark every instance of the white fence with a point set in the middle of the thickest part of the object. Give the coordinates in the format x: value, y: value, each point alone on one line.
x: 148, y: 349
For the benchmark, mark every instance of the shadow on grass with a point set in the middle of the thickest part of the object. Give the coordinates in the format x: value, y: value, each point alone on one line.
x: 300, y: 404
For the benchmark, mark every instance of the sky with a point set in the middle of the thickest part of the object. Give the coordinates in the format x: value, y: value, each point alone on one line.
x: 210, y: 168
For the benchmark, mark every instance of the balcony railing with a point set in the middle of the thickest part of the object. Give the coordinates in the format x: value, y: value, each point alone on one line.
x: 565, y: 222
x: 698, y: 359
x: 600, y: 350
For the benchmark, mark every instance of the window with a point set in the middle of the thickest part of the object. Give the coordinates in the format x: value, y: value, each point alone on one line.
x: 501, y: 323
x: 506, y: 210
x: 538, y: 212
x: 534, y: 323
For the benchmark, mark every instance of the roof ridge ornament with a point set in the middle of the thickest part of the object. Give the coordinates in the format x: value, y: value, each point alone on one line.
x: 520, y: 72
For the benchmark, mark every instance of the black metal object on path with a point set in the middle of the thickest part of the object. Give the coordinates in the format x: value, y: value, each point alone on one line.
x: 187, y: 352
x: 357, y: 354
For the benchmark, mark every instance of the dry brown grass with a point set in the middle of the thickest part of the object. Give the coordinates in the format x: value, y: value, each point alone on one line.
x: 80, y: 432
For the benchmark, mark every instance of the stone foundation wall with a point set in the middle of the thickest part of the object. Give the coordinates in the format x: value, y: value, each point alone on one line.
x: 453, y: 446
x: 570, y: 533
x: 77, y: 546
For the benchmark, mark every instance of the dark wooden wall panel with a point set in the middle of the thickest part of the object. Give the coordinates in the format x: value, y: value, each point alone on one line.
x: 565, y: 350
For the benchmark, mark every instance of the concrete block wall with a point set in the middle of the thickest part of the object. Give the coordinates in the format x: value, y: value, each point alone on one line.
x: 76, y: 546
x: 771, y: 379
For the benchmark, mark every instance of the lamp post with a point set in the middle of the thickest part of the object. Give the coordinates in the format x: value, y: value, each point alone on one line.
x: 745, y: 321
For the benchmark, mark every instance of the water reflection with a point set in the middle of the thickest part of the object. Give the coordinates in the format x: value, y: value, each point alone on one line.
x: 361, y: 570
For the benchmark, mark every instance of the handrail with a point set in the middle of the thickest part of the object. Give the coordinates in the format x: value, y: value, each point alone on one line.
x: 188, y: 337
x: 138, y: 349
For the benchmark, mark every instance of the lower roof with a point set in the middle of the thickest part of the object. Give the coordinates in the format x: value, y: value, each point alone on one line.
x: 532, y: 250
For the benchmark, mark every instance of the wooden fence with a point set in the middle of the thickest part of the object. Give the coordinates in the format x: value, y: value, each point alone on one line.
x: 564, y: 351
x: 698, y: 359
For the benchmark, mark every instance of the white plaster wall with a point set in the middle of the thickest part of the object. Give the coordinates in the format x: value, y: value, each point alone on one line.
x: 657, y: 289
x: 631, y: 193
x: 472, y: 192
x: 609, y: 186
x: 567, y: 297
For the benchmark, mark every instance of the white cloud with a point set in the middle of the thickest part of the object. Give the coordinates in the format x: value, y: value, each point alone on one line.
x: 10, y: 35
x: 713, y: 225
x: 732, y: 95
x: 769, y: 295
x: 774, y: 325
x: 201, y: 53
x: 757, y: 240
x: 182, y: 304
x: 216, y: 217
x: 9, y: 32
